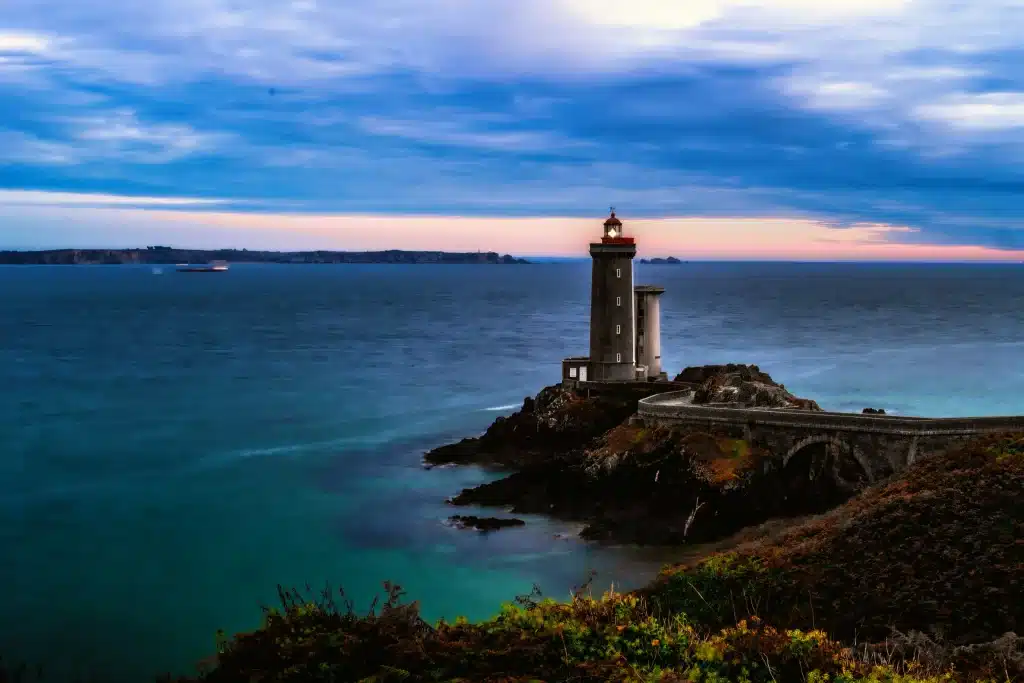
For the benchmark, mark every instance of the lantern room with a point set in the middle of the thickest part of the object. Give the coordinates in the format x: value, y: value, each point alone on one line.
x: 613, y: 231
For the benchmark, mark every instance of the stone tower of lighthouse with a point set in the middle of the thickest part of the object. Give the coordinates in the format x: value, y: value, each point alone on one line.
x: 625, y: 320
x: 612, y: 312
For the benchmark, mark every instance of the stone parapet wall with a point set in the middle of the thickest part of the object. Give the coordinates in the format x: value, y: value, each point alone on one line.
x: 668, y: 408
x: 662, y: 387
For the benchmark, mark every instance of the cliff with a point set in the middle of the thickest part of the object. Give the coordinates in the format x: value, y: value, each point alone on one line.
x: 168, y: 255
x: 939, y: 549
x: 574, y: 455
x: 935, y: 553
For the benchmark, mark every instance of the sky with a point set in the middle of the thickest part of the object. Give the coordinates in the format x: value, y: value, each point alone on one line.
x: 719, y: 129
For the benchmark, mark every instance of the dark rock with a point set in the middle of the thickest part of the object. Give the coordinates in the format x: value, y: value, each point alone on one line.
x: 557, y: 421
x: 577, y: 455
x: 663, y: 487
x: 464, y: 452
x: 741, y: 386
x: 702, y: 373
x: 873, y: 411
x: 484, y: 524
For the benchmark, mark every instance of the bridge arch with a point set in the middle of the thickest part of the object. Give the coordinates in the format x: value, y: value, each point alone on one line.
x: 811, y: 441
x: 818, y: 472
x: 837, y: 443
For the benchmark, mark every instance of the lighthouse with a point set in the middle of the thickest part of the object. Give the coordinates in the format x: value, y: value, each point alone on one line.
x: 612, y: 306
x: 625, y: 328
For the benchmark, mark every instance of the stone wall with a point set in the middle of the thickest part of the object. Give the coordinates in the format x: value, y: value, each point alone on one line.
x: 659, y: 408
x: 876, y: 445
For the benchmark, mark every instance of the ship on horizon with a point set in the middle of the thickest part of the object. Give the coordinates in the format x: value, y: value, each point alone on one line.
x: 211, y: 267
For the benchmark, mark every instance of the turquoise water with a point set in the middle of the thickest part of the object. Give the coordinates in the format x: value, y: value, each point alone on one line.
x: 172, y: 447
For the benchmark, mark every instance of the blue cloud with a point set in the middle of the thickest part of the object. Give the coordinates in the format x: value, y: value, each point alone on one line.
x: 529, y: 108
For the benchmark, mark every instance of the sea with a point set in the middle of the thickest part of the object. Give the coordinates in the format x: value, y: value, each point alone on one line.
x: 173, y: 447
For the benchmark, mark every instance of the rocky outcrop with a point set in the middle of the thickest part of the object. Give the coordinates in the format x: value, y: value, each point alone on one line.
x: 741, y: 386
x: 702, y: 373
x: 557, y: 422
x: 575, y: 455
x: 484, y: 524
x: 660, y: 487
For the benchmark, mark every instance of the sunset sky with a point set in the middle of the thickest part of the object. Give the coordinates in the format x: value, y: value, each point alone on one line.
x: 720, y: 129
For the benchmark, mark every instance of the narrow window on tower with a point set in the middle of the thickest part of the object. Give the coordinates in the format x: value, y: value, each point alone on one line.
x: 618, y: 272
x: 618, y: 358
x: 618, y: 301
x: 618, y: 329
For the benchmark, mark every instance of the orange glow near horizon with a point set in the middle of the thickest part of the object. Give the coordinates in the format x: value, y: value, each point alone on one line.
x: 687, y: 238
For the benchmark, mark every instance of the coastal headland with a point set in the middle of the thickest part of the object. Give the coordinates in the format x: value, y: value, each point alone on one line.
x: 642, y: 459
x: 168, y: 255
x: 913, y: 577
x: 692, y: 460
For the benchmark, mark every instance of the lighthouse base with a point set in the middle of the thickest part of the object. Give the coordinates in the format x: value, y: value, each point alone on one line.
x: 612, y: 372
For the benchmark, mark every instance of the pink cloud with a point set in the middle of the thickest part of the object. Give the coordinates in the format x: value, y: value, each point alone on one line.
x: 687, y: 238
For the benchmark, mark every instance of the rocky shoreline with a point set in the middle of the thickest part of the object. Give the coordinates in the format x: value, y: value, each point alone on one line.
x: 575, y: 455
x: 916, y: 579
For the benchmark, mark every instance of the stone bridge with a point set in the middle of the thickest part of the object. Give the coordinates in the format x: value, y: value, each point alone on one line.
x: 853, y: 445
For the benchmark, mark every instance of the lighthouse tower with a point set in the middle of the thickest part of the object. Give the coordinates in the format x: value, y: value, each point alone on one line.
x: 612, y: 312
x: 625, y: 321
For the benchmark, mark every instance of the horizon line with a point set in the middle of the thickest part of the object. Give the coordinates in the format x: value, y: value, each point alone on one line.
x: 540, y: 258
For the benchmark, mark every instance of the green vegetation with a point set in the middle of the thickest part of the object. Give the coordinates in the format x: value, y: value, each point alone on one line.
x: 888, y: 588
x: 613, y: 638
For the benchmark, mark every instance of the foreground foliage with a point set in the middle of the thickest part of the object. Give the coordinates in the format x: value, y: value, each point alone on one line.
x: 936, y: 554
x: 613, y: 638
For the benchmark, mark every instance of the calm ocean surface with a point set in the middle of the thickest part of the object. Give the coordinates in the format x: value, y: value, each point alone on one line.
x: 174, y: 446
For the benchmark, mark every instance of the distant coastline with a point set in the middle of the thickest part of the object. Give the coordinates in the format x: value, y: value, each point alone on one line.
x: 169, y: 255
x: 671, y: 260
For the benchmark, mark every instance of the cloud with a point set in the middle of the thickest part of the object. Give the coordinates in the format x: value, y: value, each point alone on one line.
x: 839, y: 95
x: 117, y: 226
x: 24, y: 148
x: 312, y: 42
x: 993, y: 111
x: 457, y: 134
x: 22, y: 43
x: 874, y: 112
x: 39, y: 198
x: 667, y: 15
x: 120, y: 133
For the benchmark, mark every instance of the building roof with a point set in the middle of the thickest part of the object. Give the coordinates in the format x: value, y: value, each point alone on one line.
x: 612, y: 220
x: 648, y: 289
